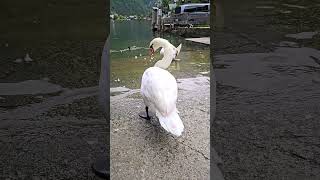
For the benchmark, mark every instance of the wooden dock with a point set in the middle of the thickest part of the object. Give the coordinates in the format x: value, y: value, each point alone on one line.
x: 202, y: 40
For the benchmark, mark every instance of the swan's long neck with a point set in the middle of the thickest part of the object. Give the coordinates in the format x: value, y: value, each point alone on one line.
x: 164, y: 63
x: 167, y: 58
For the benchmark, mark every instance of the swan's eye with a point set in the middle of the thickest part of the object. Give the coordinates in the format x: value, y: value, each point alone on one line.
x: 151, y: 46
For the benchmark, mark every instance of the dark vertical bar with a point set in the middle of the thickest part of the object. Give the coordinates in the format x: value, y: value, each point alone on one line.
x: 101, y: 166
x: 215, y: 161
x: 53, y: 129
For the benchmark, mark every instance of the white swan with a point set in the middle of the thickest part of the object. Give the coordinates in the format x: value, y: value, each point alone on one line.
x: 168, y: 51
x: 160, y: 91
x: 162, y: 52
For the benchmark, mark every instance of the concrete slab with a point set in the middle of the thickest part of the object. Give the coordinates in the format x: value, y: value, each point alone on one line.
x: 202, y: 40
x: 29, y: 87
x: 141, y: 149
x: 260, y: 71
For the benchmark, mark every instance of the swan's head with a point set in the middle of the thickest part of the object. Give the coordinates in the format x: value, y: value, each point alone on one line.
x: 156, y: 43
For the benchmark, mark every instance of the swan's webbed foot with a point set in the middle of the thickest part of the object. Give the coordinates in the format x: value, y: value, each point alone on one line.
x: 145, y: 115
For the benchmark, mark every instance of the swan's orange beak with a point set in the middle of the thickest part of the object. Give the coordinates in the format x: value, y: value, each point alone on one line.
x: 151, y: 51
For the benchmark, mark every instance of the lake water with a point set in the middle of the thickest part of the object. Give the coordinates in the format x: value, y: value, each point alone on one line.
x: 127, y: 66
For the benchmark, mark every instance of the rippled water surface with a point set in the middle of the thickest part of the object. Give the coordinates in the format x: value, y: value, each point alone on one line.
x: 127, y: 66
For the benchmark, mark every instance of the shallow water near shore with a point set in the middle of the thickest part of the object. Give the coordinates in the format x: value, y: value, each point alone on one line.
x: 129, y: 54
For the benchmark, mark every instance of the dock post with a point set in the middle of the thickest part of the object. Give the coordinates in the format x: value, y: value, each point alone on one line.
x: 154, y: 18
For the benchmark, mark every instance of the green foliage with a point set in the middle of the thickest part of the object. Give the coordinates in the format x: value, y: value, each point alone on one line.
x: 165, y: 4
x: 131, y: 7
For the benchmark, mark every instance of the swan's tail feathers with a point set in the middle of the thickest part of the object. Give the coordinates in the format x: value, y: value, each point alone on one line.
x: 179, y: 49
x: 171, y: 123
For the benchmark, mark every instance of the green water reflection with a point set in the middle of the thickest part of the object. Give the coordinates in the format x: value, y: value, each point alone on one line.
x: 127, y: 66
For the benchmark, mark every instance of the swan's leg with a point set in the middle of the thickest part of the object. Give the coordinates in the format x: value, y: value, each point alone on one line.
x: 147, y: 112
x: 145, y: 115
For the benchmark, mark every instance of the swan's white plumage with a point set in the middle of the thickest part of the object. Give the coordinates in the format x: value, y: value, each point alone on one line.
x: 159, y: 88
x: 159, y: 91
x: 172, y: 123
x: 162, y: 51
x: 168, y: 51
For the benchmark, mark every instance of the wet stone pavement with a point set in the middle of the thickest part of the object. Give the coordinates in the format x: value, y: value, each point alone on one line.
x: 51, y: 125
x: 144, y: 150
x: 267, y: 70
x: 58, y: 144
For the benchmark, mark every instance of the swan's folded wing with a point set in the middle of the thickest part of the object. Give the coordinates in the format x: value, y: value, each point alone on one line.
x: 159, y: 87
x: 167, y: 92
x: 169, y: 53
